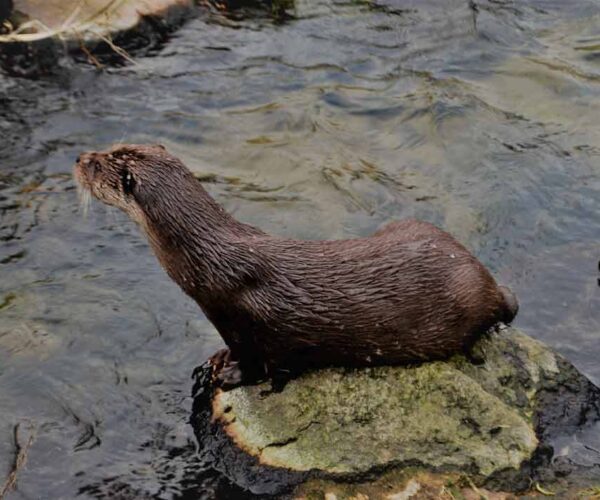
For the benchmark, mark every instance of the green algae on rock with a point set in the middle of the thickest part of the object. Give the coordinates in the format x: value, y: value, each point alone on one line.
x: 488, y: 420
x: 432, y: 414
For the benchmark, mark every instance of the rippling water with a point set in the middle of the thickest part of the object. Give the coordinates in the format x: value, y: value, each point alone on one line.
x: 482, y: 117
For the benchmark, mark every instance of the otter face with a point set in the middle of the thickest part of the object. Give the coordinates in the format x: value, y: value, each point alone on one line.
x: 125, y: 175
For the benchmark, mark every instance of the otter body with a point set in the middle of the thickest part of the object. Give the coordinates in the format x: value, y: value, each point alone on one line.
x: 408, y: 293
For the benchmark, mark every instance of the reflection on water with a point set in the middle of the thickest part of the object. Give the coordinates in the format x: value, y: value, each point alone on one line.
x: 481, y: 117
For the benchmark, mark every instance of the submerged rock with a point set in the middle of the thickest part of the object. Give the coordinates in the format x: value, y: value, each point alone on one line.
x: 36, y: 33
x: 490, y: 422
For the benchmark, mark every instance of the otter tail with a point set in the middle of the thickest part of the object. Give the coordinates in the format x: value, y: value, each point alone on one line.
x: 511, y: 304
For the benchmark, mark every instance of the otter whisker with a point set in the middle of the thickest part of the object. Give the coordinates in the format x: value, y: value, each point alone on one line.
x: 85, y: 199
x: 120, y: 143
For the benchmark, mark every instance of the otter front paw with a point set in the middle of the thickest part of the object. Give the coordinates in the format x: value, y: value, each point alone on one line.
x: 226, y: 372
x: 229, y: 376
x: 219, y: 359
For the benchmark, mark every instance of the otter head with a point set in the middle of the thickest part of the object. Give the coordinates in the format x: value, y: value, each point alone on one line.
x: 132, y: 177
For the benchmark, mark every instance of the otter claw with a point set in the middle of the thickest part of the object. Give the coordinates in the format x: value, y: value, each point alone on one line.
x: 226, y: 372
x: 230, y: 375
x: 219, y: 359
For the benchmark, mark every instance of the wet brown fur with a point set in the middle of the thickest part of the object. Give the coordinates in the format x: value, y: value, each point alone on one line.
x: 408, y: 293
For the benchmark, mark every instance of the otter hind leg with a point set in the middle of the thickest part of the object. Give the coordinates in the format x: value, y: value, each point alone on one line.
x: 473, y: 349
x: 474, y: 355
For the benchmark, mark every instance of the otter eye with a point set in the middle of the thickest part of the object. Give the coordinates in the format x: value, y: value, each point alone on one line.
x: 127, y: 182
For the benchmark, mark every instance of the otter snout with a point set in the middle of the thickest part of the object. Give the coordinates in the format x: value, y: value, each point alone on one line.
x: 83, y: 178
x: 86, y: 158
x: 108, y: 176
x: 84, y: 168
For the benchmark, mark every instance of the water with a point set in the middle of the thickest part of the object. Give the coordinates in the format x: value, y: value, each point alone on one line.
x: 482, y: 117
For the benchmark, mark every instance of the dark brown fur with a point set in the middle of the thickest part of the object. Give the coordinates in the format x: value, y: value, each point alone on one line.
x: 408, y: 293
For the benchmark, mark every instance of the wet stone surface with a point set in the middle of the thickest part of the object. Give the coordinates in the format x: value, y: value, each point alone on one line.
x: 493, y: 422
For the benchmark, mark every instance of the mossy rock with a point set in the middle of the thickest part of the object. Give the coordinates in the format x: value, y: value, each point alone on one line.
x: 490, y: 422
x: 350, y: 422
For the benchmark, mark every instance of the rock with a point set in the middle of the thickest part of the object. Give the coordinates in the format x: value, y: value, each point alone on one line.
x: 433, y: 414
x: 89, y: 19
x: 280, y: 9
x: 490, y: 424
x: 39, y: 32
x: 411, y: 484
x: 6, y: 7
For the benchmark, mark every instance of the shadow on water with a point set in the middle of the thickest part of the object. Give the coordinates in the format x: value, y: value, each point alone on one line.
x: 480, y: 116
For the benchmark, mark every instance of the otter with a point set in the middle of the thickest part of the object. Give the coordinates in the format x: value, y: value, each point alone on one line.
x: 407, y: 294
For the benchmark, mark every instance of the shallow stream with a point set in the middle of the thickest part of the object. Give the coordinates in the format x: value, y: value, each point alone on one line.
x: 480, y: 116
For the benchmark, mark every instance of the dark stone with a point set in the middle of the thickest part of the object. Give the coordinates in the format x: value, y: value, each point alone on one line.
x: 215, y: 447
x: 30, y: 59
x: 6, y: 7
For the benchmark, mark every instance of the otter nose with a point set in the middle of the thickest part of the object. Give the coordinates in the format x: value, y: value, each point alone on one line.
x: 85, y: 158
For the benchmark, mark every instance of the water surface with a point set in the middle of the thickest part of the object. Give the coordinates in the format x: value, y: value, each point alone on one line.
x: 482, y: 117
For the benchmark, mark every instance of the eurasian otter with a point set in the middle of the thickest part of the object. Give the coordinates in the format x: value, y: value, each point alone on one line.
x: 408, y: 293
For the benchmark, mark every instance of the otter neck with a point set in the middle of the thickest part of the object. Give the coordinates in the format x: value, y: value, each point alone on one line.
x: 196, y: 241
